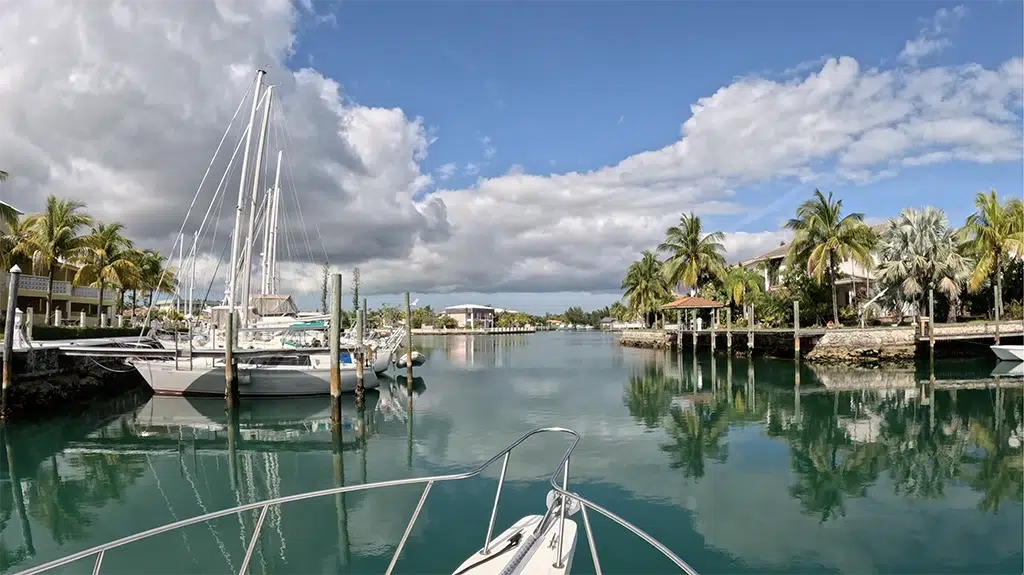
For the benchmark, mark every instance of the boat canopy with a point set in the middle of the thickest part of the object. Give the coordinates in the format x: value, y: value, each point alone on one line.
x: 274, y: 304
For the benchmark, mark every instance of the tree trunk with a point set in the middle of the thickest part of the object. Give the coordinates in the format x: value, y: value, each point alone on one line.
x: 120, y: 301
x: 99, y: 308
x: 951, y: 314
x: 832, y: 282
x: 49, y: 292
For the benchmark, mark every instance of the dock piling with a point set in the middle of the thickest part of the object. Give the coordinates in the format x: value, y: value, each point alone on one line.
x: 30, y: 320
x: 693, y: 330
x: 335, y: 335
x: 8, y: 370
x: 750, y: 329
x: 931, y: 322
x: 230, y: 374
x: 360, y: 359
x: 57, y: 319
x: 81, y: 319
x: 714, y: 334
x: 796, y: 330
x: 728, y: 330
x: 408, y: 342
x: 679, y: 330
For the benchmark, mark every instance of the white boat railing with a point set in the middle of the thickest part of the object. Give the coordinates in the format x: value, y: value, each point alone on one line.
x: 563, y: 501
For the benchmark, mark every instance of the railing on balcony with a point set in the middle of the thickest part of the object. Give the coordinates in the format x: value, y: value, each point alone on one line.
x: 61, y: 289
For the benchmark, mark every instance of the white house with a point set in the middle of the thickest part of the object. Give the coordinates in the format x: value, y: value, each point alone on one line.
x: 472, y: 315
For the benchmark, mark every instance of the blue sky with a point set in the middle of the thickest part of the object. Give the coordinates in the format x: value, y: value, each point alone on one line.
x: 573, y: 85
x: 555, y: 87
x: 524, y: 153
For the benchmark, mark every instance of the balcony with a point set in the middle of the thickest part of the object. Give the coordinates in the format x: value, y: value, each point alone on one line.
x: 62, y: 290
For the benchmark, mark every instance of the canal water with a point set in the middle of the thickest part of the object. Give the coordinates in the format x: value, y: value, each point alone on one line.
x: 727, y: 462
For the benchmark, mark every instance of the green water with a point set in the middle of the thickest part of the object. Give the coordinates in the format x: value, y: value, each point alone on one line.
x: 734, y: 476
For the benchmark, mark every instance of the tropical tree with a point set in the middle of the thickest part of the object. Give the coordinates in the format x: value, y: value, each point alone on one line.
x: 994, y: 235
x: 918, y: 252
x: 694, y: 257
x: 54, y: 237
x: 106, y: 259
x: 619, y: 311
x: 825, y: 238
x: 155, y: 275
x: 645, y: 288
x: 15, y: 237
x: 741, y: 284
x: 3, y: 175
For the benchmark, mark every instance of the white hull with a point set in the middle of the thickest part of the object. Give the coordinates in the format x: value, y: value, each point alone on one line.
x: 1009, y: 352
x: 255, y: 381
x: 540, y: 560
x: 418, y: 359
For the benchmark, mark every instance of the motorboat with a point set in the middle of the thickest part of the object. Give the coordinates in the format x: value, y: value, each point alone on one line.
x: 1008, y: 352
x: 418, y: 359
x: 537, y: 543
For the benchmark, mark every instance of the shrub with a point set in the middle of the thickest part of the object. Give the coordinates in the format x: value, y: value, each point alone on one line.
x: 1015, y: 310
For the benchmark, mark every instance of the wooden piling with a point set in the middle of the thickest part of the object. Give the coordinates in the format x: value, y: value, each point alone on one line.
x: 408, y: 342
x: 714, y: 334
x: 750, y: 329
x: 796, y: 331
x: 931, y: 321
x: 999, y: 294
x: 728, y: 330
x: 693, y: 331
x: 359, y: 359
x: 335, y: 335
x: 230, y: 373
x: 190, y: 349
x: 30, y: 320
x: 679, y: 330
x: 57, y: 319
x: 8, y: 370
x: 81, y: 319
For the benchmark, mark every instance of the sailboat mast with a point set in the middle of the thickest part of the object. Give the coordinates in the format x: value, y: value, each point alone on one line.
x: 236, y: 235
x: 272, y: 242
x: 181, y: 268
x: 247, y: 262
x: 268, y: 201
x: 192, y: 273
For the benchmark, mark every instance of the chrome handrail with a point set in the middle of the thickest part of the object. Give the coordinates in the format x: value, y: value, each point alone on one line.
x: 100, y: 550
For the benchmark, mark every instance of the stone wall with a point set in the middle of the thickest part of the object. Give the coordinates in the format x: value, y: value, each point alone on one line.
x: 646, y: 338
x: 889, y: 344
x: 46, y: 384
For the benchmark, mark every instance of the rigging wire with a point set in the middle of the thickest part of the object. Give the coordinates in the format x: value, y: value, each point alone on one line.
x: 199, y: 189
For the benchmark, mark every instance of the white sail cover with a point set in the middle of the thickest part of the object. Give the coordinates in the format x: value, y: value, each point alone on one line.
x: 274, y: 304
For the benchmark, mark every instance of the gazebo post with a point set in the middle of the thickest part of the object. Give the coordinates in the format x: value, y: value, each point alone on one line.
x: 694, y: 331
x: 679, y: 331
x: 714, y: 320
x: 728, y: 330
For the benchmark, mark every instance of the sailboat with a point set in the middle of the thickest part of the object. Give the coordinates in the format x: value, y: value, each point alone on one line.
x: 281, y: 371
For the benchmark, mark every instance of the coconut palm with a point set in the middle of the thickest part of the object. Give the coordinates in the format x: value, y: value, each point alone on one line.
x: 15, y: 238
x: 994, y: 235
x: 106, y: 259
x: 825, y: 238
x: 3, y: 175
x: 155, y: 275
x: 55, y: 238
x: 645, y: 286
x: 619, y: 311
x: 694, y: 257
x: 741, y: 284
x: 918, y: 253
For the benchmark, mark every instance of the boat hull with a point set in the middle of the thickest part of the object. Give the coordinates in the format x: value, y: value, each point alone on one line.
x: 1009, y: 352
x: 541, y: 560
x: 263, y: 381
x: 418, y: 359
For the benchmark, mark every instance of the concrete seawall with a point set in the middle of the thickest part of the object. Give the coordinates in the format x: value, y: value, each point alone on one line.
x: 842, y: 346
x: 47, y: 384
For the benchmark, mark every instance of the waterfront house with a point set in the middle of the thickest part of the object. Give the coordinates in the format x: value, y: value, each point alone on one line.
x: 472, y: 316
x: 851, y: 274
x: 70, y: 300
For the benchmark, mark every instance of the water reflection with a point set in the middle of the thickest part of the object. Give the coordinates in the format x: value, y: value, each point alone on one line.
x: 732, y: 463
x: 921, y: 436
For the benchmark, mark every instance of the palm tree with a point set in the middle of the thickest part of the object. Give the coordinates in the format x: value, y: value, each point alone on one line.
x: 106, y: 260
x: 15, y: 237
x: 645, y: 286
x: 740, y: 284
x: 919, y: 253
x: 825, y: 238
x: 156, y: 275
x: 994, y: 235
x: 55, y: 238
x: 694, y: 257
x: 3, y: 175
x: 619, y: 311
